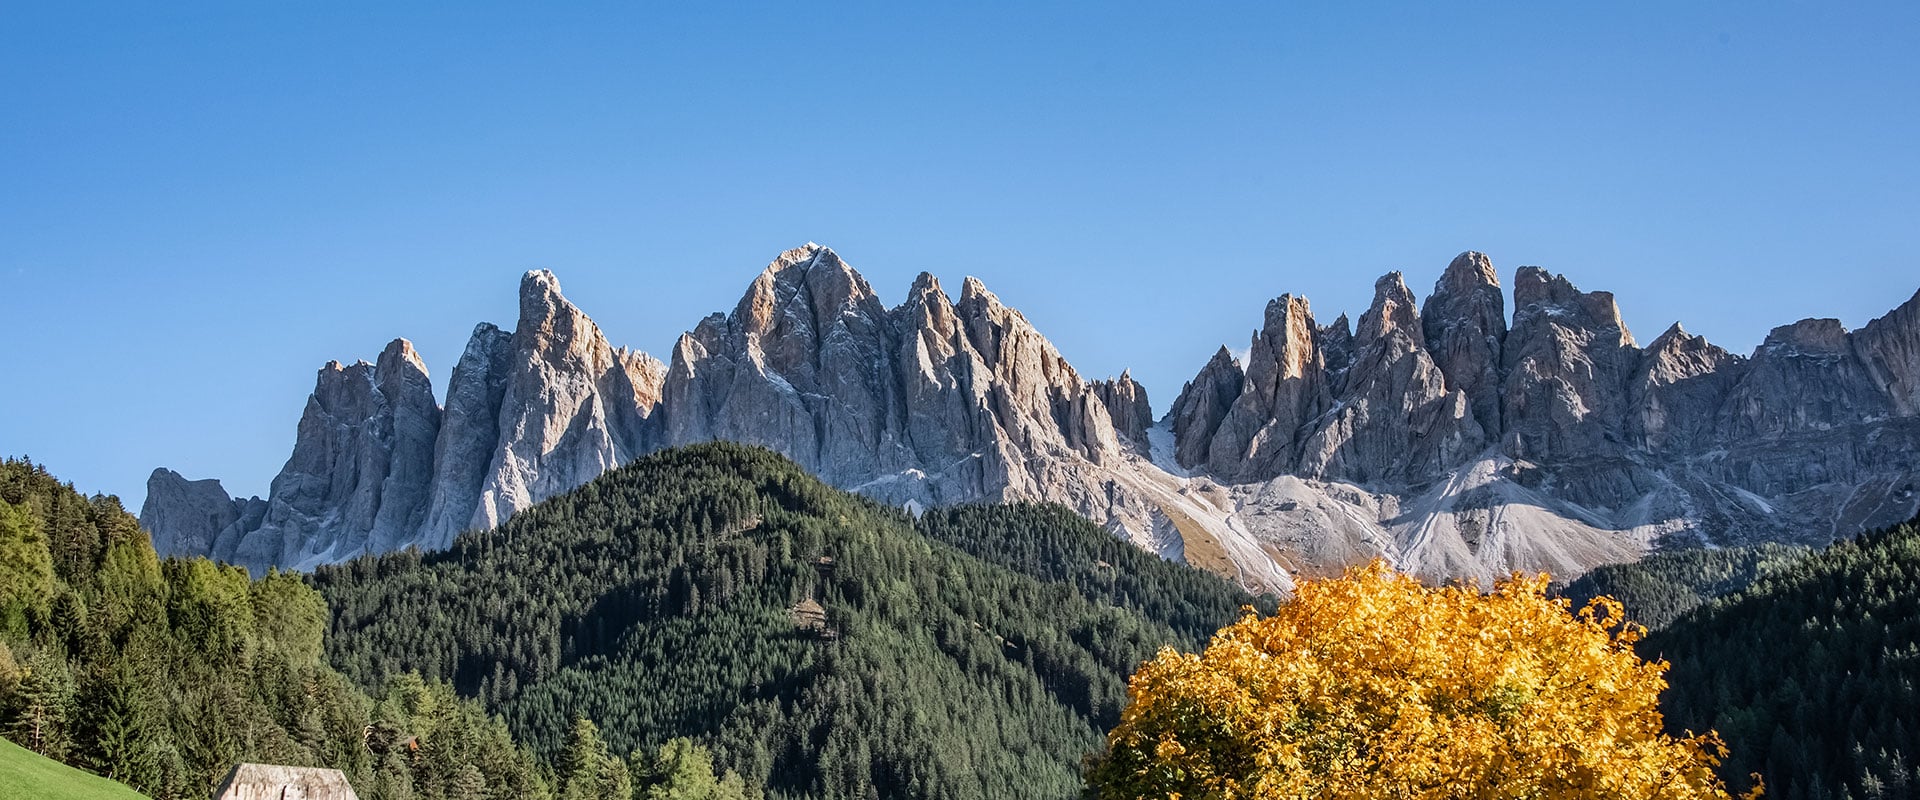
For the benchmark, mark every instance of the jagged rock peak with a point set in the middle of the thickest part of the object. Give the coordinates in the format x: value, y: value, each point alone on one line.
x: 1392, y: 310
x: 1468, y: 272
x: 1203, y: 402
x: 1682, y: 379
x: 1890, y: 347
x: 1568, y: 362
x: 1289, y: 334
x: 1676, y: 354
x: 399, y: 354
x: 1539, y: 293
x: 539, y: 294
x: 1127, y: 405
x: 188, y: 518
x: 812, y: 281
x: 1465, y: 325
x: 975, y: 291
x: 1808, y: 337
x: 924, y: 284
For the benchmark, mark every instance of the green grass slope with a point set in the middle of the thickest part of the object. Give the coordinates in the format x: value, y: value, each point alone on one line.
x: 25, y: 775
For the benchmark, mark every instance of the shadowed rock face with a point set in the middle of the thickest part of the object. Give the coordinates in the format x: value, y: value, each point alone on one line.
x: 1436, y: 435
x: 361, y: 469
x: 1464, y: 323
x: 1567, y: 361
x: 1394, y: 418
x: 1679, y: 376
x: 933, y: 401
x: 1126, y: 402
x: 1203, y: 404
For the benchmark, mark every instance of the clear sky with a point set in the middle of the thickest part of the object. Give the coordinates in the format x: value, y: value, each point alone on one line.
x: 200, y: 207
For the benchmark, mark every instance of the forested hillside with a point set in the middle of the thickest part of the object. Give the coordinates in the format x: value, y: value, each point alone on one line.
x: 1812, y: 674
x: 1657, y: 589
x: 163, y: 674
x: 821, y: 644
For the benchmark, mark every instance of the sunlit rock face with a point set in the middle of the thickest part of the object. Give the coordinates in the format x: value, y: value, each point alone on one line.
x: 1442, y: 435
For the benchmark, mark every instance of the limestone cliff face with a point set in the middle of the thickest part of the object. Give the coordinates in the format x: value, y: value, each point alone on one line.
x: 1889, y: 349
x: 571, y: 408
x: 1126, y: 402
x: 1441, y: 436
x: 1567, y: 360
x: 932, y: 401
x: 1464, y: 323
x: 1202, y: 405
x: 802, y: 366
x: 1285, y: 389
x: 469, y: 435
x: 1394, y: 419
x: 1680, y: 376
x: 360, y: 473
x: 194, y: 517
x: 378, y: 465
x: 1555, y: 442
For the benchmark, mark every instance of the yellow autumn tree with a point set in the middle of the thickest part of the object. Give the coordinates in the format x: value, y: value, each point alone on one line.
x: 1373, y: 685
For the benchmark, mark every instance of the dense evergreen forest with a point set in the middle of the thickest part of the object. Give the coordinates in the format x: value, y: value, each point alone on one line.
x: 1657, y: 589
x: 1810, y: 672
x: 163, y: 674
x: 822, y: 645
x: 728, y: 623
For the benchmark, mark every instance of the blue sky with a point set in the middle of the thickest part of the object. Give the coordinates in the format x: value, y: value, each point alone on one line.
x: 200, y: 207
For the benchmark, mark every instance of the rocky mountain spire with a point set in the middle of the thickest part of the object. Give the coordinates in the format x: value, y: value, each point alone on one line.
x: 1566, y: 361
x: 1126, y: 402
x: 1889, y: 347
x: 469, y: 435
x: 359, y: 475
x: 1804, y: 377
x: 1679, y: 375
x: 1330, y: 445
x: 1285, y: 389
x: 570, y: 408
x: 1395, y: 417
x: 803, y: 366
x: 196, y: 518
x: 1464, y: 323
x: 1202, y: 405
x: 1336, y: 347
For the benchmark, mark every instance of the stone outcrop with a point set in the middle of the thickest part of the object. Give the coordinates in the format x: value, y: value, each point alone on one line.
x: 1567, y: 360
x: 361, y: 469
x: 1395, y: 420
x: 469, y: 435
x: 572, y: 406
x: 1680, y: 375
x: 1286, y: 388
x: 933, y: 401
x: 1438, y: 435
x: 1889, y: 348
x: 378, y: 465
x: 195, y: 517
x: 1126, y: 402
x: 1556, y: 443
x: 1464, y: 323
x: 1202, y: 405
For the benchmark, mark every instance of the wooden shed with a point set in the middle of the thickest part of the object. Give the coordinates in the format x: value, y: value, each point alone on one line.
x: 274, y: 782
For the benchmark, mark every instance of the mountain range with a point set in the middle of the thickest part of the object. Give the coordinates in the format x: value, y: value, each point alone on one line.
x: 1447, y: 436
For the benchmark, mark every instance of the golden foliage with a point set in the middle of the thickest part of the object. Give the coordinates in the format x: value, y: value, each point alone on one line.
x: 1375, y: 686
